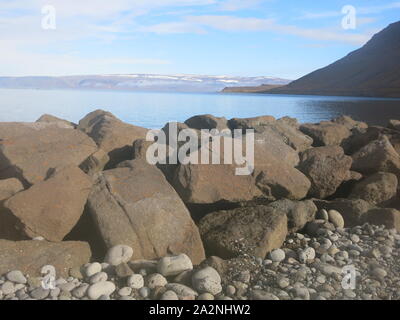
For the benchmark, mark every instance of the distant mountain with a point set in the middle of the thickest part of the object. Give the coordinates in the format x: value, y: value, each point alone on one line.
x: 373, y: 71
x: 259, y: 89
x: 138, y: 82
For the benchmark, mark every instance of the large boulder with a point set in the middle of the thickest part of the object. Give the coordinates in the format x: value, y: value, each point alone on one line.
x: 350, y: 123
x: 298, y: 212
x: 274, y: 177
x: 378, y: 155
x: 31, y: 157
x: 112, y: 135
x: 249, y: 230
x: 327, y: 168
x: 283, y: 130
x: 205, y: 184
x: 376, y: 189
x: 269, y: 143
x: 47, y: 118
x: 135, y: 205
x: 31, y: 256
x: 390, y: 218
x: 11, y: 130
x: 277, y: 180
x: 51, y: 208
x: 352, y: 210
x: 208, y: 122
x: 326, y: 133
x: 256, y: 123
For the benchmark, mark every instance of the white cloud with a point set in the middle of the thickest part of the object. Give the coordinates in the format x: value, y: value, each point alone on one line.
x: 237, y: 24
x: 363, y: 10
x: 235, y: 5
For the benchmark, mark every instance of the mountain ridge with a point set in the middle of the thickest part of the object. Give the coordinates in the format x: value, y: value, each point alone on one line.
x: 370, y: 71
x: 137, y: 82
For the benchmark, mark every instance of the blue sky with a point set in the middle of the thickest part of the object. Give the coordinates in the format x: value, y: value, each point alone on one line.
x: 282, y: 38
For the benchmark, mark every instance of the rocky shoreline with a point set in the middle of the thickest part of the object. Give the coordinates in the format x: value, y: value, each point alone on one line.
x: 83, y: 215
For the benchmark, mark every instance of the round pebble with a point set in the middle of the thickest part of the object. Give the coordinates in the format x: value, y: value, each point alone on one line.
x: 16, y: 276
x: 118, y: 254
x: 277, y: 255
x: 135, y: 281
x: 99, y: 289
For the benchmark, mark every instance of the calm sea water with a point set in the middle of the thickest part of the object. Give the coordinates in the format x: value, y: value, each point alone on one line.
x: 153, y: 110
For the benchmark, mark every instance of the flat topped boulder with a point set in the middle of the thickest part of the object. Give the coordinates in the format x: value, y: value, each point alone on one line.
x: 250, y: 230
x: 112, y: 135
x: 285, y: 130
x: 274, y: 176
x: 327, y: 168
x: 51, y: 208
x: 31, y: 157
x: 10, y: 130
x: 135, y: 205
x: 377, y: 156
x: 326, y: 133
x: 207, y: 121
x: 31, y: 256
x: 250, y: 123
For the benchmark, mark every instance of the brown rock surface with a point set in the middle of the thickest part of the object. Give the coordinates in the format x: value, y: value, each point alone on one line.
x: 112, y: 135
x: 326, y: 133
x: 30, y: 256
x: 376, y: 189
x: 251, y: 230
x: 327, y: 168
x: 51, y: 208
x: 31, y: 157
x: 134, y: 205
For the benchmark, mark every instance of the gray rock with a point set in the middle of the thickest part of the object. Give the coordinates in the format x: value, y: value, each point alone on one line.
x: 118, y: 254
x: 92, y: 269
x: 207, y: 280
x: 125, y: 291
x: 156, y: 280
x: 136, y: 281
x: 206, y: 296
x: 169, y: 295
x: 99, y: 289
x: 144, y: 292
x: 98, y: 277
x: 277, y: 255
x: 16, y: 276
x: 7, y: 288
x: 336, y: 218
x: 40, y: 293
x: 183, y: 292
x: 308, y: 254
x: 172, y: 266
x: 80, y: 291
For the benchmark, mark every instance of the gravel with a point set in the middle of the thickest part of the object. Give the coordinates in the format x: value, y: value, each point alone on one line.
x: 360, y: 263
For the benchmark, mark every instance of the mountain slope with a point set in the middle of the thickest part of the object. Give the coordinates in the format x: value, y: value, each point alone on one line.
x: 373, y: 70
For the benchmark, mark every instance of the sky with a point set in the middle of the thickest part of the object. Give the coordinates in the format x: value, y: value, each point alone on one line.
x: 280, y: 38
